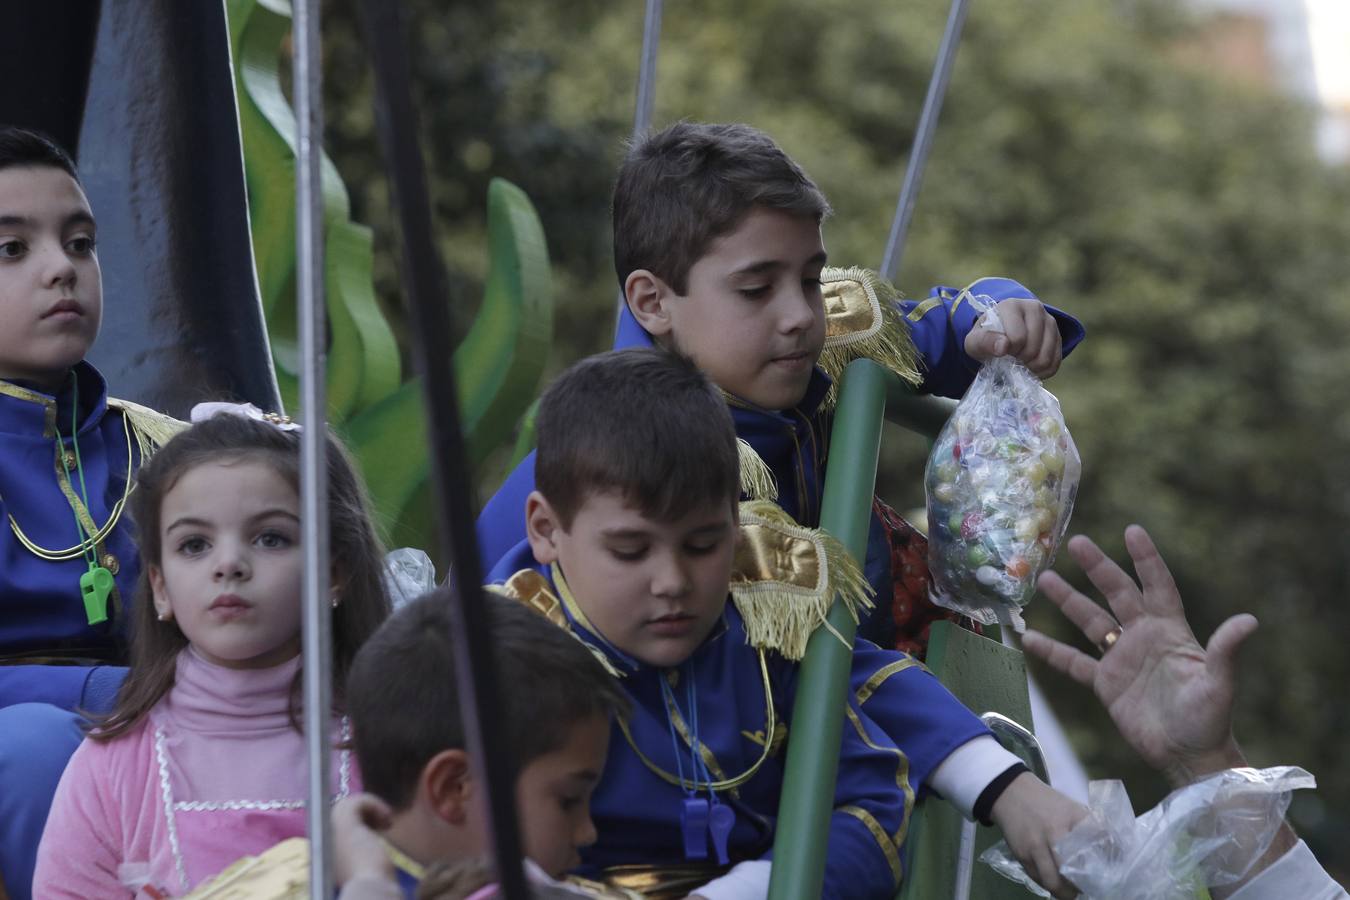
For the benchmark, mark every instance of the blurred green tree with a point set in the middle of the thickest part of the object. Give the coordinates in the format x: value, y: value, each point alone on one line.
x: 1082, y: 150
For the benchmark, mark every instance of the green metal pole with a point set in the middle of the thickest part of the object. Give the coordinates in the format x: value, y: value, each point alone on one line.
x: 818, y: 713
x: 920, y: 413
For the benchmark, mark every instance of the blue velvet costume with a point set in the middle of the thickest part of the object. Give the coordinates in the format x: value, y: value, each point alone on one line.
x: 793, y: 442
x: 900, y: 724
x: 52, y: 661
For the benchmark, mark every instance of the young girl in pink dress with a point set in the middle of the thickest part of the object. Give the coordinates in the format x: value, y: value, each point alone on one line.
x: 202, y: 761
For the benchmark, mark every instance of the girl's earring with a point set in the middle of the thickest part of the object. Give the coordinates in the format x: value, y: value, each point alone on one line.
x: 164, y: 616
x: 334, y: 601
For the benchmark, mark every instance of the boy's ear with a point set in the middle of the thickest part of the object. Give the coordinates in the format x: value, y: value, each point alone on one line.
x: 163, y: 609
x: 648, y: 300
x: 542, y: 527
x: 447, y: 785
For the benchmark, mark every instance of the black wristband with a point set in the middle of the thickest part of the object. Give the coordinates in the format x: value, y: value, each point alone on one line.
x: 989, y: 796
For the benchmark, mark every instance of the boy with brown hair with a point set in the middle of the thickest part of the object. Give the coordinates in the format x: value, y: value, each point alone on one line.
x: 639, y: 543
x: 68, y: 453
x: 718, y: 251
x: 409, y: 737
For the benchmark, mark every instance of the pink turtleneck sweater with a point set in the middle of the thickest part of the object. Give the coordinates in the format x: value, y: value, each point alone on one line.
x: 214, y: 773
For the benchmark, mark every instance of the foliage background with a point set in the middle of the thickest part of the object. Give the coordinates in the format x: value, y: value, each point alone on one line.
x: 1084, y: 149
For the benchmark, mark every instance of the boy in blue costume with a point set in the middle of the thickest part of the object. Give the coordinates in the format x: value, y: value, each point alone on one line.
x: 68, y: 454
x: 718, y: 250
x: 638, y: 540
x: 410, y: 743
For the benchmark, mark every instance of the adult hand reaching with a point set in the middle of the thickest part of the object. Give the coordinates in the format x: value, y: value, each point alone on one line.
x: 1171, y: 699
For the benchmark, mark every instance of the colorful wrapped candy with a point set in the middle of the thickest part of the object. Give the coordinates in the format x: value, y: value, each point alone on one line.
x: 1001, y: 482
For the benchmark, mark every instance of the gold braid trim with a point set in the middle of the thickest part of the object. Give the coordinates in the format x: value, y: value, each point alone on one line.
x: 608, y: 891
x: 786, y: 577
x: 671, y: 881
x: 532, y: 589
x: 152, y: 429
x: 901, y: 774
x: 757, y: 481
x: 880, y: 676
x: 863, y: 320
x: 888, y: 849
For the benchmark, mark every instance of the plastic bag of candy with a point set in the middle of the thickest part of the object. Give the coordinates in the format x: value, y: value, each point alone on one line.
x: 1207, y: 834
x: 1001, y: 482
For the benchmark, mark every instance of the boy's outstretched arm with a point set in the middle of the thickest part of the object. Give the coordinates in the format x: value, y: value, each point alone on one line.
x: 873, y: 801
x: 1027, y: 333
x: 1033, y: 816
x: 944, y: 329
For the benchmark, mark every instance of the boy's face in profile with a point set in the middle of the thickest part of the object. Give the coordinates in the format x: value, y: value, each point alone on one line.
x: 51, y: 289
x: 652, y: 589
x: 553, y: 794
x: 753, y: 317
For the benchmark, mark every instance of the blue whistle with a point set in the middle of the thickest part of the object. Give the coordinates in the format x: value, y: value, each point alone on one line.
x: 694, y: 823
x: 720, y: 822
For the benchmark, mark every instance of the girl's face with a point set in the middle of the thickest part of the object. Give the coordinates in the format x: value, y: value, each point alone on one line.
x: 230, y: 567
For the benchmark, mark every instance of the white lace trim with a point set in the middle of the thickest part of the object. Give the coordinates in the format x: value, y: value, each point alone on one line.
x: 171, y: 806
x: 166, y: 792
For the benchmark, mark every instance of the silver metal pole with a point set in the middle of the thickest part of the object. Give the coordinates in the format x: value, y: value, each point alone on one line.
x: 310, y: 305
x: 646, y: 92
x: 923, y: 139
x: 646, y: 86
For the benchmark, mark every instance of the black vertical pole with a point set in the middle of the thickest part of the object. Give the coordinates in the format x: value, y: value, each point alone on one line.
x: 428, y: 314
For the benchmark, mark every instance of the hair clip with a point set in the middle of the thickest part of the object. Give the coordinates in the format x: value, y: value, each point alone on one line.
x: 203, y: 411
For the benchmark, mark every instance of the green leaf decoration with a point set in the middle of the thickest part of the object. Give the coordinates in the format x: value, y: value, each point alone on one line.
x: 499, y: 363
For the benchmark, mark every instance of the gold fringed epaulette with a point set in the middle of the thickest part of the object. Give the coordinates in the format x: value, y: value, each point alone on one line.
x: 757, y: 481
x: 152, y: 429
x: 862, y: 319
x: 786, y: 577
x: 281, y: 873
x: 533, y: 590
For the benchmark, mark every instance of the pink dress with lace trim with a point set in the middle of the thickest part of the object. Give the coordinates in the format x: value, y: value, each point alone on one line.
x: 216, y: 772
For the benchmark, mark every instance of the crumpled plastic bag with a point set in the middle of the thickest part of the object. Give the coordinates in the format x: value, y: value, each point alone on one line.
x: 408, y: 574
x: 1001, y: 482
x: 1207, y: 834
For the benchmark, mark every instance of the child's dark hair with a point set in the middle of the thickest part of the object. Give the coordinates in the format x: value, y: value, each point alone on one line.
x: 685, y: 186
x: 21, y: 148
x: 358, y: 559
x: 404, y: 707
x: 643, y: 422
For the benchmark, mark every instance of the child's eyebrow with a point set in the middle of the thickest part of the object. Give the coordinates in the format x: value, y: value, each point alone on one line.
x: 274, y: 513
x: 772, y: 265
x: 79, y: 217
x: 194, y: 522
x: 761, y: 267
x: 187, y: 522
x: 623, y: 532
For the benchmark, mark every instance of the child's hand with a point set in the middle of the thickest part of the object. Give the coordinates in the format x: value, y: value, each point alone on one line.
x: 1033, y: 816
x: 1029, y: 333
x: 359, y: 850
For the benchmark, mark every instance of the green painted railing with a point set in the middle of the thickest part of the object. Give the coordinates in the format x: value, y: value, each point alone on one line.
x: 982, y: 673
x: 818, y: 714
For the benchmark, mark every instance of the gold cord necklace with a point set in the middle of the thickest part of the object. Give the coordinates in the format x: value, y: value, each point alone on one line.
x: 725, y: 784
x: 94, y: 539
